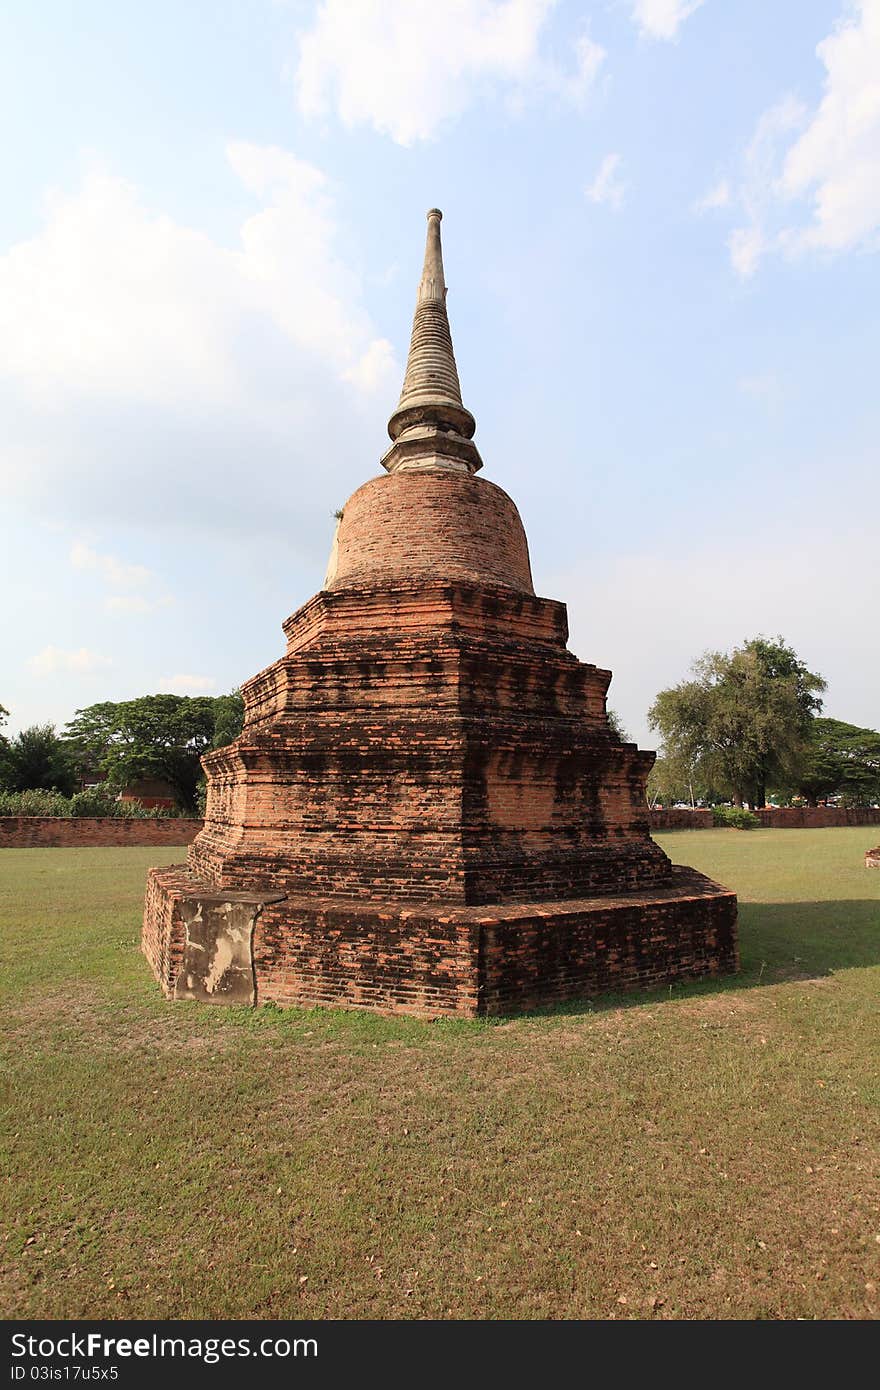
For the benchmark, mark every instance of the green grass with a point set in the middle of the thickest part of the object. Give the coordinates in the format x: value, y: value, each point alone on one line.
x: 705, y: 1151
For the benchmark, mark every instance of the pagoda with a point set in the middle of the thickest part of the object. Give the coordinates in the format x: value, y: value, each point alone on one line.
x: 428, y: 811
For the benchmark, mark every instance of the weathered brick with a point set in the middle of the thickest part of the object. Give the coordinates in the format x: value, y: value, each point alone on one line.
x: 426, y: 747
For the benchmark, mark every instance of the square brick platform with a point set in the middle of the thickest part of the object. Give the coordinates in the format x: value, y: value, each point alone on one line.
x: 429, y: 959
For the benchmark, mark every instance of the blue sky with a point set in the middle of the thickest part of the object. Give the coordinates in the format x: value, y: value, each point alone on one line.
x: 661, y: 224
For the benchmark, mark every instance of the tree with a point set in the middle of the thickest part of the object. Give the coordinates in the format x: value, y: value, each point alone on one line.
x: 4, y: 746
x: 37, y: 759
x: 161, y: 736
x: 841, y: 760
x: 743, y: 720
x: 228, y: 718
x: 671, y: 780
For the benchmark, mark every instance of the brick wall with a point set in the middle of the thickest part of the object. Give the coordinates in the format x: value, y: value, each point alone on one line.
x: 507, y: 960
x: 816, y: 817
x: 675, y: 819
x: 773, y: 818
x: 36, y: 832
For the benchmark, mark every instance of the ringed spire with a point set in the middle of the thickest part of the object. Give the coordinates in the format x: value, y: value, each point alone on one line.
x: 431, y: 427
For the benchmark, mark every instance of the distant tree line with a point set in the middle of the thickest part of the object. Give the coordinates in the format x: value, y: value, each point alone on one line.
x: 748, y: 725
x: 119, y: 744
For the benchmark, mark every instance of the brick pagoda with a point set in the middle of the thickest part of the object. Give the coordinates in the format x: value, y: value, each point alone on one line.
x: 427, y: 811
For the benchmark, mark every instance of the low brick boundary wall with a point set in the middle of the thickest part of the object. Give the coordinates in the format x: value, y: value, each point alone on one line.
x: 68, y: 832
x: 35, y: 832
x: 774, y: 818
x: 674, y: 819
x: 817, y: 817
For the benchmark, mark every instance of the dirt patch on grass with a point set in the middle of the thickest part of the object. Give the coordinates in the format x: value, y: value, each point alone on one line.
x: 85, y: 1012
x: 719, y: 1007
x: 80, y: 1005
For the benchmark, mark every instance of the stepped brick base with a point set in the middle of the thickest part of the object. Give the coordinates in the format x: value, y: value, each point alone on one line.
x: 433, y: 959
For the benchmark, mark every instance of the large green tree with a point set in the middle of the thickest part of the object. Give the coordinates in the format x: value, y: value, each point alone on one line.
x: 38, y: 758
x: 160, y: 736
x: 744, y: 719
x: 841, y: 760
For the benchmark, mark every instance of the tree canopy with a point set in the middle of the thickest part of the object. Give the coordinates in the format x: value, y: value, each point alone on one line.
x: 840, y: 760
x: 162, y: 736
x: 743, y: 721
x: 37, y: 759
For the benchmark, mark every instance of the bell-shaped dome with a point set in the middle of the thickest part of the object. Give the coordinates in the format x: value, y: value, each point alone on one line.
x: 430, y: 523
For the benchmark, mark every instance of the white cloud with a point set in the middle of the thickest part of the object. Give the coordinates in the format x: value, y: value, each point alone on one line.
x: 53, y: 660
x: 374, y: 368
x: 113, y: 298
x: 589, y: 57
x: 832, y: 165
x: 746, y: 246
x: 837, y: 158
x: 150, y: 374
x: 119, y: 575
x: 113, y: 571
x: 718, y: 196
x: 406, y: 66
x: 606, y: 187
x: 662, y: 19
x: 187, y: 685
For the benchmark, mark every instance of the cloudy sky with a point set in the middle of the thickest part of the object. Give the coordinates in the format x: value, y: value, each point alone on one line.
x: 661, y: 226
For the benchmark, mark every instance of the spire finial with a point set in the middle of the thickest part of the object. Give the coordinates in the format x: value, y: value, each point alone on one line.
x: 432, y: 286
x: 431, y: 427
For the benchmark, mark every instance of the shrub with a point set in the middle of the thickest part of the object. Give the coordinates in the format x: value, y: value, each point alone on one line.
x: 94, y: 801
x: 36, y: 802
x: 132, y: 810
x: 734, y: 817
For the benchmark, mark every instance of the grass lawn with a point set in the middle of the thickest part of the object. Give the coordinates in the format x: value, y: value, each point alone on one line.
x: 707, y: 1151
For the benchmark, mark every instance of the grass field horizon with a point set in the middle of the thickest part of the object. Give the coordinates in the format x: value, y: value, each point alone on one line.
x: 709, y: 1150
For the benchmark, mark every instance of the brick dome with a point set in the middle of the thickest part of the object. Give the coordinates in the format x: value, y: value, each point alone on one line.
x: 430, y: 523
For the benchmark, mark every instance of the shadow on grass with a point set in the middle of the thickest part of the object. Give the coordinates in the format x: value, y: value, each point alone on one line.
x: 778, y: 942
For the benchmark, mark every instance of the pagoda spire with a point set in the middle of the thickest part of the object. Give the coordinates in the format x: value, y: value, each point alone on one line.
x: 431, y: 427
